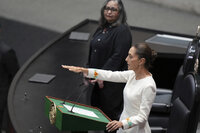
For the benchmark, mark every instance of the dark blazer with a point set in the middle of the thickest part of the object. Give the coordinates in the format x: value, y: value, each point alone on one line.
x: 108, y: 49
x: 8, y: 68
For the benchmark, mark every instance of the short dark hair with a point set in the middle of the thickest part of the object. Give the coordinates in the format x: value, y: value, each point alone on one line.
x: 122, y: 14
x: 144, y: 51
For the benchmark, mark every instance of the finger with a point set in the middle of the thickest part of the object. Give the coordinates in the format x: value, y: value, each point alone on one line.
x: 74, y: 69
x: 101, y: 86
x: 110, y: 125
x: 63, y: 66
x: 93, y: 81
x: 67, y: 67
x: 114, y: 127
x: 71, y: 68
x: 84, y: 75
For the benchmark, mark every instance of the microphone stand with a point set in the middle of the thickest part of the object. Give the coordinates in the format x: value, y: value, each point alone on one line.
x: 78, y: 97
x: 68, y: 96
x: 84, y: 83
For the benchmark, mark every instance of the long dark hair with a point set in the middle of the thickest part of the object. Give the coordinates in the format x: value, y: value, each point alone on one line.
x: 122, y: 14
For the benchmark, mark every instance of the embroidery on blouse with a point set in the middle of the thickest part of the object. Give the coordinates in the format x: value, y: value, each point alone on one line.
x: 130, y: 124
x: 95, y: 74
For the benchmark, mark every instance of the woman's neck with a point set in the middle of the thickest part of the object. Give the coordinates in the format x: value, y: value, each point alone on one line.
x: 142, y: 73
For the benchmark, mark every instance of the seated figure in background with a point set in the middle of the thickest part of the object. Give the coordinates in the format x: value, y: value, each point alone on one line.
x: 8, y: 68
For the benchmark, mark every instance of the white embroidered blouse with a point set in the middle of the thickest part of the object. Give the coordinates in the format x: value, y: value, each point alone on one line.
x: 138, y: 98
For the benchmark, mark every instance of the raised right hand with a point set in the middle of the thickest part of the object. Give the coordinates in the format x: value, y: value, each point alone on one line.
x: 76, y: 69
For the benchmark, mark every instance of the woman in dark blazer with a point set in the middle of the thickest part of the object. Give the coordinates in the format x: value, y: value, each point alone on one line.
x: 108, y: 50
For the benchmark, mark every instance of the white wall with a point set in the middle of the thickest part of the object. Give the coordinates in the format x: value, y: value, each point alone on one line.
x: 186, y: 5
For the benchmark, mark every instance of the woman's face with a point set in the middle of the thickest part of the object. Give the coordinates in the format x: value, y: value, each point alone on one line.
x: 132, y: 59
x: 111, y: 11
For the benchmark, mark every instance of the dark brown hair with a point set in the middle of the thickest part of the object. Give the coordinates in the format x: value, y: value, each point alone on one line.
x: 122, y: 14
x: 144, y: 51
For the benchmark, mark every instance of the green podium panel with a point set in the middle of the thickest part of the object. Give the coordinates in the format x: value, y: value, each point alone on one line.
x: 72, y: 116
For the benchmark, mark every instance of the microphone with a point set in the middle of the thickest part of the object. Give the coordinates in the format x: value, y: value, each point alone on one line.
x: 85, y: 83
x: 77, y: 97
x: 67, y: 97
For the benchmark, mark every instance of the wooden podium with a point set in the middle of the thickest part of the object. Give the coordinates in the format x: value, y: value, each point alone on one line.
x: 72, y: 116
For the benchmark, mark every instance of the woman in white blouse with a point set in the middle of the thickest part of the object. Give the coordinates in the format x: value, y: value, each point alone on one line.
x: 139, y: 92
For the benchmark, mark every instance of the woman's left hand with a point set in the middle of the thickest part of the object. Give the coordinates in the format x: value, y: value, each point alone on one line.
x: 113, y: 125
x: 100, y: 83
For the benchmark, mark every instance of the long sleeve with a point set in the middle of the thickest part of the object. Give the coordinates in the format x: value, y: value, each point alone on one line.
x: 106, y: 75
x: 148, y: 95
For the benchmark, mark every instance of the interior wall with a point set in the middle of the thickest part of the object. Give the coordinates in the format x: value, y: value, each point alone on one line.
x: 186, y: 5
